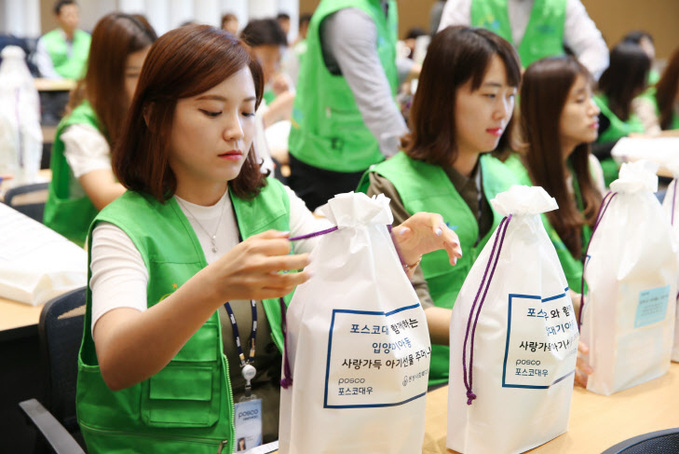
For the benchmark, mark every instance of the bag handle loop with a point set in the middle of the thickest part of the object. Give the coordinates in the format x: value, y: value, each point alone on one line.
x: 674, y: 200
x: 485, y: 285
x: 602, y: 210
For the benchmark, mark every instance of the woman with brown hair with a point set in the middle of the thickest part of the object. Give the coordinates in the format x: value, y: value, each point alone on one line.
x: 82, y: 179
x: 557, y: 135
x: 462, y: 108
x: 187, y: 266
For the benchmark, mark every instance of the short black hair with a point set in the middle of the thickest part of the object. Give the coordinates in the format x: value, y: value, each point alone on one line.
x: 262, y: 32
x: 61, y: 3
x: 415, y: 32
x: 283, y: 16
x: 636, y: 36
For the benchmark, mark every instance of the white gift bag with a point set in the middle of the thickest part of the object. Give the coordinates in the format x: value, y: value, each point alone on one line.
x: 513, y: 337
x: 36, y: 263
x: 20, y: 132
x: 671, y: 208
x: 631, y: 273
x: 357, y: 342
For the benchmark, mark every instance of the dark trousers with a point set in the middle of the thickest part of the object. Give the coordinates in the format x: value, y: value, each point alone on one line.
x: 316, y: 186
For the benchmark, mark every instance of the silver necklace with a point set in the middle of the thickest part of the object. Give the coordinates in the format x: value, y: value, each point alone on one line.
x: 212, y: 237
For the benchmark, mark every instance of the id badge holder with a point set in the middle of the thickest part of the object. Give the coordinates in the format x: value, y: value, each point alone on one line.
x: 248, y: 420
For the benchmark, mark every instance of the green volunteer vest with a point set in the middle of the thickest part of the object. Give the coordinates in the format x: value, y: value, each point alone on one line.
x: 66, y: 213
x: 72, y: 67
x: 653, y: 77
x: 617, y: 130
x: 426, y: 187
x: 327, y: 128
x: 544, y: 32
x: 572, y: 267
x: 187, y: 407
x: 650, y: 94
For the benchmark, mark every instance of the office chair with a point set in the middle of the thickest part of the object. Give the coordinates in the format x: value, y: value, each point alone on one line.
x: 660, y: 442
x: 60, y: 330
x: 28, y: 199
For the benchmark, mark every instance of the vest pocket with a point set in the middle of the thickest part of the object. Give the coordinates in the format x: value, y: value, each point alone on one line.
x: 182, y: 395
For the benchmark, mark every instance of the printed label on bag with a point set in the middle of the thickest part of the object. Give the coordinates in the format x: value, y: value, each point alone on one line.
x: 542, y: 341
x: 376, y: 359
x: 652, y: 307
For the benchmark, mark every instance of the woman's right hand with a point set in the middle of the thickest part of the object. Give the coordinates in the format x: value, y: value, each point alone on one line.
x: 133, y: 346
x: 260, y: 267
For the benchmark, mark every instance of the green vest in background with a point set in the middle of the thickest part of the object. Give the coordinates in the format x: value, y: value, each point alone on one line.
x: 572, y: 267
x: 328, y: 131
x: 73, y: 66
x: 66, y: 212
x: 650, y: 94
x: 544, y: 32
x: 187, y: 407
x: 426, y: 187
x: 616, y: 130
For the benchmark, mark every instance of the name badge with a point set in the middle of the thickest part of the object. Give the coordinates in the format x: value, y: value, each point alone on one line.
x: 248, y: 415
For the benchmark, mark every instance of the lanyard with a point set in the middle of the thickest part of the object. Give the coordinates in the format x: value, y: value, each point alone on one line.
x: 247, y: 366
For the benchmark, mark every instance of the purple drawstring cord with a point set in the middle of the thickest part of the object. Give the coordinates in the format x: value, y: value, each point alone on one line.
x: 286, y: 380
x: 602, y: 210
x: 484, y: 285
x: 674, y: 200
x: 313, y: 234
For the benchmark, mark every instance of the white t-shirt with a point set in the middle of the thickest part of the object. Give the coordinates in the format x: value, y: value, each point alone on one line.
x: 85, y: 149
x: 120, y: 278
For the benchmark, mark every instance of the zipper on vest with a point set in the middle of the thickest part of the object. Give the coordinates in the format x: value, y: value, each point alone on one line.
x: 222, y: 445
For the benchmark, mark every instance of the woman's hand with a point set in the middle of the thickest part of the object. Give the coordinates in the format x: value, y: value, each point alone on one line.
x: 582, y: 368
x: 133, y: 346
x: 426, y: 232
x: 252, y: 269
x: 281, y: 83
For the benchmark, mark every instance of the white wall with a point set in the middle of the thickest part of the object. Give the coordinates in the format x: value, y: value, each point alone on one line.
x: 22, y: 17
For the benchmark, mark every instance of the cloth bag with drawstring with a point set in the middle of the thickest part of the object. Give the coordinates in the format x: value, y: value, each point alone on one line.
x: 513, y: 337
x: 631, y: 273
x: 357, y: 342
x: 670, y: 206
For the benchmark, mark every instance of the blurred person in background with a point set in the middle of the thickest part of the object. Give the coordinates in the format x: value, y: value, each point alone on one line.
x: 62, y: 53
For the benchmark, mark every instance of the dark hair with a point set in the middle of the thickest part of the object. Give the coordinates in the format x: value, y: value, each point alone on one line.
x: 61, y: 3
x: 636, y: 36
x: 544, y: 93
x: 285, y: 16
x: 625, y: 78
x: 415, y: 32
x: 666, y: 90
x: 455, y: 56
x: 263, y: 32
x: 183, y: 63
x: 115, y: 36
